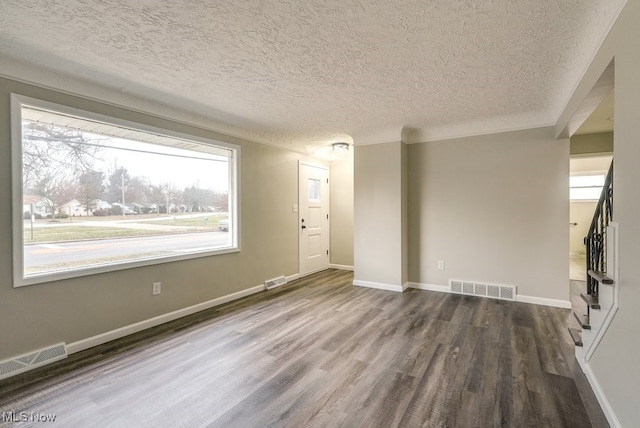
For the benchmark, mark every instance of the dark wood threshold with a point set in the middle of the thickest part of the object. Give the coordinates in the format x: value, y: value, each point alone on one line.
x: 600, y: 277
x: 591, y: 301
x: 583, y: 320
x: 576, y: 336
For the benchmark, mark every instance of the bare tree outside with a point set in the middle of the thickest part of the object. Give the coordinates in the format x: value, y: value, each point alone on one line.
x: 118, y: 177
x: 45, y: 146
x: 53, y: 158
x: 57, y: 188
x: 156, y: 195
x: 90, y: 189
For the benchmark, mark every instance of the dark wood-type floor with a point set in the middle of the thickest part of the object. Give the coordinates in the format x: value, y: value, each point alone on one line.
x: 319, y: 352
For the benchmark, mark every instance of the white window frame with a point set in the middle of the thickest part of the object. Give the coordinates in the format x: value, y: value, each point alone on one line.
x: 19, y: 279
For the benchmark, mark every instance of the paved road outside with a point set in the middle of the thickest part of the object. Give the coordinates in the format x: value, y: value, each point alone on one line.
x: 39, y: 257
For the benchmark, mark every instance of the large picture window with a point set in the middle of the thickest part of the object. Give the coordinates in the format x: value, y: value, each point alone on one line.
x: 94, y: 194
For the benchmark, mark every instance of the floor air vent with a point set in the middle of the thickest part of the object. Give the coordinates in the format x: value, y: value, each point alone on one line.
x: 276, y: 282
x: 32, y: 360
x: 506, y: 292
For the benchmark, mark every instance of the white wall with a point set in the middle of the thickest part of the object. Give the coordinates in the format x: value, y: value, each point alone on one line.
x: 616, y: 361
x: 495, y: 208
x: 615, y: 365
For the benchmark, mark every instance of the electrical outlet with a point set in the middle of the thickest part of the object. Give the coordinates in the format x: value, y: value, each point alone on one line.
x: 156, y: 288
x: 441, y: 264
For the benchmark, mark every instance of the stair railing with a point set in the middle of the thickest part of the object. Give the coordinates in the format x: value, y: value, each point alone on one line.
x: 596, y: 239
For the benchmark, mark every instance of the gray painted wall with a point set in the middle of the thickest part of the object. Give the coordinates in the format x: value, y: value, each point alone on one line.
x: 592, y: 143
x: 342, y: 212
x: 378, y: 213
x: 404, y: 213
x: 495, y: 208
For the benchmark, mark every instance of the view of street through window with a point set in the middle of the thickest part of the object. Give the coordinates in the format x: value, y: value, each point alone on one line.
x: 92, y: 197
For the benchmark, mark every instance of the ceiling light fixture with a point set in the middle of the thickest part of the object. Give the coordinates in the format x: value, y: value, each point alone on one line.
x: 340, y: 147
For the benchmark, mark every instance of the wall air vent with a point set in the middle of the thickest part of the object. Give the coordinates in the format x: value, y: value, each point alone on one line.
x: 275, y: 282
x: 32, y: 360
x: 456, y: 286
x: 494, y: 291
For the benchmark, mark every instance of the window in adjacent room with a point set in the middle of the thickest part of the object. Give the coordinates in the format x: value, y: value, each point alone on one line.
x: 95, y: 194
x: 586, y: 187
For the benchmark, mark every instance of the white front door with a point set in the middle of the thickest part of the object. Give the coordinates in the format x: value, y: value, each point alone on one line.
x: 313, y: 218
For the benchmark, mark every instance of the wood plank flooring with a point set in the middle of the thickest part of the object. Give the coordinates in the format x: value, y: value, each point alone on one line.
x: 319, y: 352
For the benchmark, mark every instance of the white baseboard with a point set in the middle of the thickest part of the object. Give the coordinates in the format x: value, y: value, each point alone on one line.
x: 519, y: 298
x: 430, y: 287
x: 340, y: 267
x: 379, y: 285
x: 565, y: 304
x: 90, y: 342
x: 597, y: 390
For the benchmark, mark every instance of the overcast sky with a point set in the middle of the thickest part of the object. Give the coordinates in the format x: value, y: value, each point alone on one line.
x: 183, y: 168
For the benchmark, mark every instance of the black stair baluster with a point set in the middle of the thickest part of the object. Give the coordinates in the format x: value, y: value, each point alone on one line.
x: 596, y: 239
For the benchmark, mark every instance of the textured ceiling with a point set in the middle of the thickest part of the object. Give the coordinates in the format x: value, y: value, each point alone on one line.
x: 304, y: 73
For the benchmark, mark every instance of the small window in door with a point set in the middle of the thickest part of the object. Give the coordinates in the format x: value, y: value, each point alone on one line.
x: 313, y: 186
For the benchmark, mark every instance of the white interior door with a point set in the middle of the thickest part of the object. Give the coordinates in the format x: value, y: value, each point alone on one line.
x: 313, y: 218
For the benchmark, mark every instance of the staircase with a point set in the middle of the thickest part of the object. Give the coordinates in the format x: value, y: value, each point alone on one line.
x: 600, y: 297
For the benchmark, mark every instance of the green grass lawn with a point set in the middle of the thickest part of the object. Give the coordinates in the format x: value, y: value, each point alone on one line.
x: 209, y: 222
x: 66, y: 231
x: 76, y: 233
